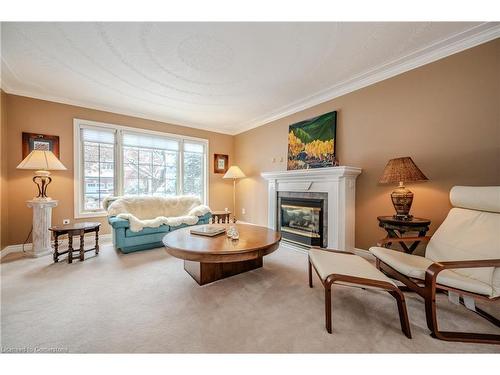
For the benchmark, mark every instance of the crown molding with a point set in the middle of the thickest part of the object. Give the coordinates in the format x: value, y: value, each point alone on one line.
x: 114, y: 110
x: 475, y: 36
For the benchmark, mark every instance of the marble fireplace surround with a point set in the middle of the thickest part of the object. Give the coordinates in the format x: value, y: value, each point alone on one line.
x: 340, y: 185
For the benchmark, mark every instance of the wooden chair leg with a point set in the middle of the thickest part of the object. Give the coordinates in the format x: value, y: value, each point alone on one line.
x: 310, y: 274
x: 403, y: 313
x: 431, y: 316
x: 328, y: 307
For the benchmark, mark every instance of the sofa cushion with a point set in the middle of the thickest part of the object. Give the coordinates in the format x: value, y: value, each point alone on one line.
x: 145, y: 231
x: 414, y: 266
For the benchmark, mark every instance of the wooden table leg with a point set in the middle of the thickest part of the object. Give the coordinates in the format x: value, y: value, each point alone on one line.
x: 97, y: 241
x: 205, y: 273
x: 82, y: 245
x: 56, y: 246
x: 70, y: 248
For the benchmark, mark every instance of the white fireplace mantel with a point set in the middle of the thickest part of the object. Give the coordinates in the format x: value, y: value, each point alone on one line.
x: 340, y: 185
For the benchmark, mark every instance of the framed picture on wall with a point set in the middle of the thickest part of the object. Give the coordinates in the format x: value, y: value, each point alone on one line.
x: 35, y: 141
x: 221, y: 163
x: 312, y: 143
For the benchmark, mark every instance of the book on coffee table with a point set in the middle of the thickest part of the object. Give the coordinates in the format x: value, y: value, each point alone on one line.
x: 209, y: 230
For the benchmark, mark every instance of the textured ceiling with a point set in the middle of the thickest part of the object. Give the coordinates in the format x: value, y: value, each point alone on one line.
x: 226, y: 77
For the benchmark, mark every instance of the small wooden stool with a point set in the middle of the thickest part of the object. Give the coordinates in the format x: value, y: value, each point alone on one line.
x: 221, y: 217
x: 76, y: 229
x: 342, y: 267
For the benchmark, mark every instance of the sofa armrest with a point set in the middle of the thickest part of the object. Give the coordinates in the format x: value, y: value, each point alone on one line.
x: 204, y: 219
x: 117, y: 222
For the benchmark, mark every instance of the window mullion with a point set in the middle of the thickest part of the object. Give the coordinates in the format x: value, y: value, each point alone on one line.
x: 180, y: 168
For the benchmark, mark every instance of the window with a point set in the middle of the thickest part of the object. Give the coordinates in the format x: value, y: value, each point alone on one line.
x: 150, y: 165
x: 117, y: 160
x: 98, y: 156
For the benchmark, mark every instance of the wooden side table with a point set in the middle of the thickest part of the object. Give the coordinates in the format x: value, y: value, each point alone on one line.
x: 396, y: 228
x: 221, y: 217
x: 76, y: 229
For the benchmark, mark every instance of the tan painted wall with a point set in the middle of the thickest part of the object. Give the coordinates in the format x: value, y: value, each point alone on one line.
x: 445, y: 115
x: 3, y: 171
x: 38, y: 116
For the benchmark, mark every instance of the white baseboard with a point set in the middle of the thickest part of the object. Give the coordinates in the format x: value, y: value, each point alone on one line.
x: 62, y: 242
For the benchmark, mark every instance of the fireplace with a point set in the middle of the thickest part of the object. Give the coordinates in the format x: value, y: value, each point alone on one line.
x: 302, y: 217
x: 301, y: 220
x: 334, y: 186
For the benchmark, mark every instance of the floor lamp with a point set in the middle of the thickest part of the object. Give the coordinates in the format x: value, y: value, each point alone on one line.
x: 235, y: 173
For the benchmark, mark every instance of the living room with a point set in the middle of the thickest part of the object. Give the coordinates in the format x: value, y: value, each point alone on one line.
x: 234, y: 181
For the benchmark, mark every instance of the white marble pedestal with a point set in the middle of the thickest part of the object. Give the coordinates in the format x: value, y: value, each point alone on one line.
x: 42, y: 218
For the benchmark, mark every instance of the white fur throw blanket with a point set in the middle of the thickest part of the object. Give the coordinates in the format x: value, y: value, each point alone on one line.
x: 151, y: 212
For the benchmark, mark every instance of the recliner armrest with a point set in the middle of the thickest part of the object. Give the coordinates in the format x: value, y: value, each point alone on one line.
x: 117, y: 222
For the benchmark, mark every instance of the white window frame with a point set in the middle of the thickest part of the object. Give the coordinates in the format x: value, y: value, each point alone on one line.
x: 79, y: 124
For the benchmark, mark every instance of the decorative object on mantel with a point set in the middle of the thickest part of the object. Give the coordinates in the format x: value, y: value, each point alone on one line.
x: 221, y: 163
x: 42, y: 162
x: 42, y: 142
x: 311, y: 143
x: 235, y: 173
x: 402, y: 170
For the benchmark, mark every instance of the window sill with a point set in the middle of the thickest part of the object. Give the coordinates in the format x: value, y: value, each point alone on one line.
x: 83, y: 215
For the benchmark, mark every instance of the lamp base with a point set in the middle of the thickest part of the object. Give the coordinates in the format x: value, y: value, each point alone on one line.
x: 42, y: 180
x: 402, y: 199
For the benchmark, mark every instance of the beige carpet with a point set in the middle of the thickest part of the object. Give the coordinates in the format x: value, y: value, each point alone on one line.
x: 145, y: 302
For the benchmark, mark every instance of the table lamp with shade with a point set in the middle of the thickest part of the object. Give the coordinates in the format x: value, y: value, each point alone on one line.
x: 235, y: 173
x: 401, y: 170
x: 42, y: 162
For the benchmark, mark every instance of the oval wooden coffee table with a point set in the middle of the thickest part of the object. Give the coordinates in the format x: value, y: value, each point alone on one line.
x: 208, y: 259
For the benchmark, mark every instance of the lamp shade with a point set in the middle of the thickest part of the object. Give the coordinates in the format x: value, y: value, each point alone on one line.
x: 401, y: 170
x: 234, y: 172
x: 41, y: 160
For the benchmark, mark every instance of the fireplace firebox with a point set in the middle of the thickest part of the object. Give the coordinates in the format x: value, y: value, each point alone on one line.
x: 301, y: 220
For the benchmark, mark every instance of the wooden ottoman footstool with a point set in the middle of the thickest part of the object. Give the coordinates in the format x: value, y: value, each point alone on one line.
x: 345, y: 268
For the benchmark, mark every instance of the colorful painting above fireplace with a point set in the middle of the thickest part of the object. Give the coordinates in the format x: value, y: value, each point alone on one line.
x: 311, y: 143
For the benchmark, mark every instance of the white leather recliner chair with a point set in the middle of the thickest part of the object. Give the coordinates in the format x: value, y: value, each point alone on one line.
x: 462, y: 259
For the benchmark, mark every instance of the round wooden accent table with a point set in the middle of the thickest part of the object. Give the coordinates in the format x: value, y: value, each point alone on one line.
x: 208, y: 259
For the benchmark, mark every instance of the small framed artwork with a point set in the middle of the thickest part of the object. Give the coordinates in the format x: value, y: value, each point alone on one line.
x: 34, y: 141
x: 221, y: 163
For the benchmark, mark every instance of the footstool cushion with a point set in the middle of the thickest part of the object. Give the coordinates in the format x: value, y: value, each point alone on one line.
x: 327, y: 263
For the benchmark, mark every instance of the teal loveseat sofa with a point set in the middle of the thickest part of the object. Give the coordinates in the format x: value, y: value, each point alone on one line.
x: 140, y: 223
